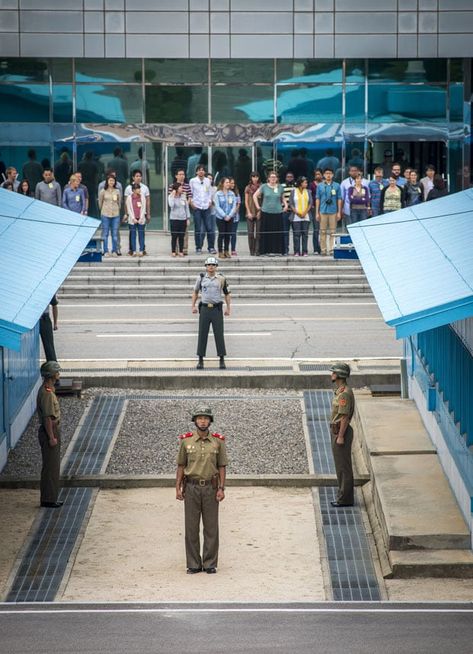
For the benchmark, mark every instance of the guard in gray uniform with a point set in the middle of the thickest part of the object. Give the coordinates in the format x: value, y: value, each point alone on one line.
x: 49, y: 435
x: 214, y: 292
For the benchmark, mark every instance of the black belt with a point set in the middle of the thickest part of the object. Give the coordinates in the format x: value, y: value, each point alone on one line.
x: 211, y: 305
x: 198, y: 482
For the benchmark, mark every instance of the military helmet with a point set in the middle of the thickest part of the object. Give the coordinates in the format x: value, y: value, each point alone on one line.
x: 211, y: 261
x: 341, y: 369
x: 50, y: 368
x: 202, y: 410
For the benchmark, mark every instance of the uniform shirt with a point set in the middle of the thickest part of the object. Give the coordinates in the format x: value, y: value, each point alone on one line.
x: 202, y: 457
x: 49, y: 192
x: 213, y: 288
x: 343, y: 404
x: 201, y: 192
x: 328, y: 195
x: 47, y: 404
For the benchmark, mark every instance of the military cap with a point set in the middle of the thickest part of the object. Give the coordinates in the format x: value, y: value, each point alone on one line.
x: 341, y: 369
x: 50, y: 368
x: 202, y: 410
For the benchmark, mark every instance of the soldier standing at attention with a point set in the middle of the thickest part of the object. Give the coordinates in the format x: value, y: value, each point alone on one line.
x: 49, y: 415
x: 214, y: 290
x: 343, y: 407
x: 200, y: 482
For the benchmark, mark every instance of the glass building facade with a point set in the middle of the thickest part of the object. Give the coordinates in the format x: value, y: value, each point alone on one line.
x: 235, y: 114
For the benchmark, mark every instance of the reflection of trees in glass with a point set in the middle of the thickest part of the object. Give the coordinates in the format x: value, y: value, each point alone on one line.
x: 176, y: 104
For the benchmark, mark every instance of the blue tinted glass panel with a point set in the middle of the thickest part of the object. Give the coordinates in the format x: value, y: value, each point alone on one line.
x: 397, y: 103
x: 309, y: 104
x: 355, y: 103
x: 456, y: 70
x: 176, y: 104
x: 24, y: 103
x: 23, y: 70
x: 62, y: 103
x: 320, y: 71
x: 108, y: 70
x: 176, y: 71
x: 254, y: 104
x: 407, y: 70
x: 456, y: 103
x: 108, y: 104
x: 241, y: 71
x: 355, y: 70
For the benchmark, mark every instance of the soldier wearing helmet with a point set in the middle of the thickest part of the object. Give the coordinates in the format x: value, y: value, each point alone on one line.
x: 49, y: 436
x: 343, y: 407
x: 214, y: 292
x: 200, y: 483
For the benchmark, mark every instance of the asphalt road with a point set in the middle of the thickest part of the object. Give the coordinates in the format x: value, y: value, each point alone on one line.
x: 234, y: 629
x: 167, y: 329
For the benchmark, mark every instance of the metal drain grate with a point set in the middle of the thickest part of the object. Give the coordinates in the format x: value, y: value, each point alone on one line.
x: 221, y: 396
x: 392, y: 368
x: 42, y: 568
x: 351, y: 567
x: 318, y: 407
x: 142, y: 370
x: 306, y: 367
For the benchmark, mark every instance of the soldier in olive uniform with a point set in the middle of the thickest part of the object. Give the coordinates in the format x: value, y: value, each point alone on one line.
x: 214, y: 290
x: 343, y: 407
x: 200, y: 482
x: 49, y: 436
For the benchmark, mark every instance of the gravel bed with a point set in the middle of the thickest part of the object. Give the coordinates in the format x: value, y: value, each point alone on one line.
x: 263, y: 436
x: 25, y: 459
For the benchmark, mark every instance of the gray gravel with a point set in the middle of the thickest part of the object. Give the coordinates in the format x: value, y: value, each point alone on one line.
x: 25, y: 459
x: 263, y: 436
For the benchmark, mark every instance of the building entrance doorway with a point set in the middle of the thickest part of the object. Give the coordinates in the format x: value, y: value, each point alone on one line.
x: 410, y: 154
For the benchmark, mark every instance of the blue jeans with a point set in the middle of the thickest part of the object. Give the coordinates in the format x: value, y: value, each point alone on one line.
x: 110, y: 224
x: 141, y: 236
x: 286, y: 224
x: 357, y: 215
x: 233, y: 238
x: 204, y: 223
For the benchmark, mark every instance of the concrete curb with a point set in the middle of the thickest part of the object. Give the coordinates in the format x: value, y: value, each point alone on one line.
x: 169, y: 481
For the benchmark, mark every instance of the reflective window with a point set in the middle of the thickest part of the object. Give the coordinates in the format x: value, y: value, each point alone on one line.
x: 355, y: 71
x: 456, y: 70
x: 23, y: 70
x: 108, y: 70
x: 309, y: 70
x: 396, y: 102
x: 176, y: 104
x: 407, y: 70
x: 241, y: 71
x: 62, y: 103
x: 456, y: 102
x: 176, y: 71
x: 355, y: 103
x: 309, y: 104
x: 108, y: 104
x: 61, y: 70
x: 24, y: 103
x: 254, y: 104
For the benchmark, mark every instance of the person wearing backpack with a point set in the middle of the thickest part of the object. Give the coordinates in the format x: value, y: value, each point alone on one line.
x: 213, y: 289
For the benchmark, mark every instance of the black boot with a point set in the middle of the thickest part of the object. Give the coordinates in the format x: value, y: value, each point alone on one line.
x: 222, y: 365
x: 200, y: 365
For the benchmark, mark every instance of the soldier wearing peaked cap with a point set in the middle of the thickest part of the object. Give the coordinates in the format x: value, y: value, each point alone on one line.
x: 49, y: 435
x: 343, y: 408
x: 200, y: 482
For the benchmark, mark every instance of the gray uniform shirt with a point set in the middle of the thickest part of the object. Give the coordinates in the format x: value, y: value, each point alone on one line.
x: 50, y: 193
x: 213, y: 288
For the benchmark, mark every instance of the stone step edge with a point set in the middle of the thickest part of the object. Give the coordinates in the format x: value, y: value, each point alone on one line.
x: 169, y: 481
x: 431, y: 563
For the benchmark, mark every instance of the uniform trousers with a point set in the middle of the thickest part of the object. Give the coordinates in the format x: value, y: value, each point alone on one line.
x: 51, y: 457
x: 328, y: 223
x: 200, y: 502
x: 343, y: 467
x: 211, y: 316
x: 47, y: 337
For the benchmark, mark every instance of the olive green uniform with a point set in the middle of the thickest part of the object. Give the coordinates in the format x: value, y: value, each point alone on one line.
x: 47, y: 405
x: 343, y: 404
x: 201, y: 458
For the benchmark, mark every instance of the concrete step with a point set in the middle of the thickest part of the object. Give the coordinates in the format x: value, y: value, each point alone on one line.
x: 193, y: 271
x: 414, y: 503
x: 235, y: 280
x: 256, y: 294
x: 433, y: 563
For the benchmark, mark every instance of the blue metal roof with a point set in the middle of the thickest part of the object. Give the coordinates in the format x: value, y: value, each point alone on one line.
x: 39, y: 245
x: 419, y: 262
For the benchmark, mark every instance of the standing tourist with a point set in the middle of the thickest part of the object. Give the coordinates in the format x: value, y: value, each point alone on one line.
x: 359, y: 199
x: 392, y: 197
x: 289, y: 185
x: 272, y: 206
x: 413, y: 191
x: 301, y: 204
x: 135, y: 215
x: 200, y: 483
x: 253, y: 216
x: 24, y: 188
x: 11, y: 177
x: 73, y: 197
x: 180, y: 178
x: 428, y: 181
x: 236, y: 216
x: 201, y: 201
x: 179, y: 217
x: 110, y: 201
x: 375, y: 187
x: 343, y: 408
x: 439, y: 189
x: 396, y: 173
x: 226, y: 207
x: 318, y: 178
x: 328, y: 210
x: 49, y: 435
x: 214, y: 292
x: 347, y: 183
x: 49, y: 190
x: 145, y: 194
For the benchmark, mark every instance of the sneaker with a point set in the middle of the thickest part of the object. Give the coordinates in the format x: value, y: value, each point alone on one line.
x: 181, y: 254
x: 198, y: 251
x: 296, y: 254
x: 106, y: 254
x: 173, y: 254
x: 141, y: 254
x: 234, y: 253
x: 305, y: 254
x: 213, y: 251
x: 114, y: 254
x: 134, y: 254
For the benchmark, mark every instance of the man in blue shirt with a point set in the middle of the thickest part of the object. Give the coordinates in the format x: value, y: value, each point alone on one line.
x: 376, y: 186
x: 328, y: 209
x: 73, y: 197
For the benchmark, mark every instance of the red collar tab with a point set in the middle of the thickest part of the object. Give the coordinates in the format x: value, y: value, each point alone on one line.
x: 215, y: 434
x: 188, y: 434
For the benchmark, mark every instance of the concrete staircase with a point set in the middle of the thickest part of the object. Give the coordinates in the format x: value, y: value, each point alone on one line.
x: 249, y: 277
x: 417, y: 523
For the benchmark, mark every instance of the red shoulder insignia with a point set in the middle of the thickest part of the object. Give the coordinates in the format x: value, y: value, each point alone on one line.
x: 188, y: 434
x: 215, y: 434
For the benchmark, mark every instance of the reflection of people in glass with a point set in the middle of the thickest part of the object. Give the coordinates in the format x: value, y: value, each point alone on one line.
x: 120, y: 165
x: 193, y: 161
x: 219, y: 166
x: 32, y: 169
x: 90, y: 173
x: 63, y: 169
x: 329, y: 161
x: 179, y: 161
x: 140, y: 164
